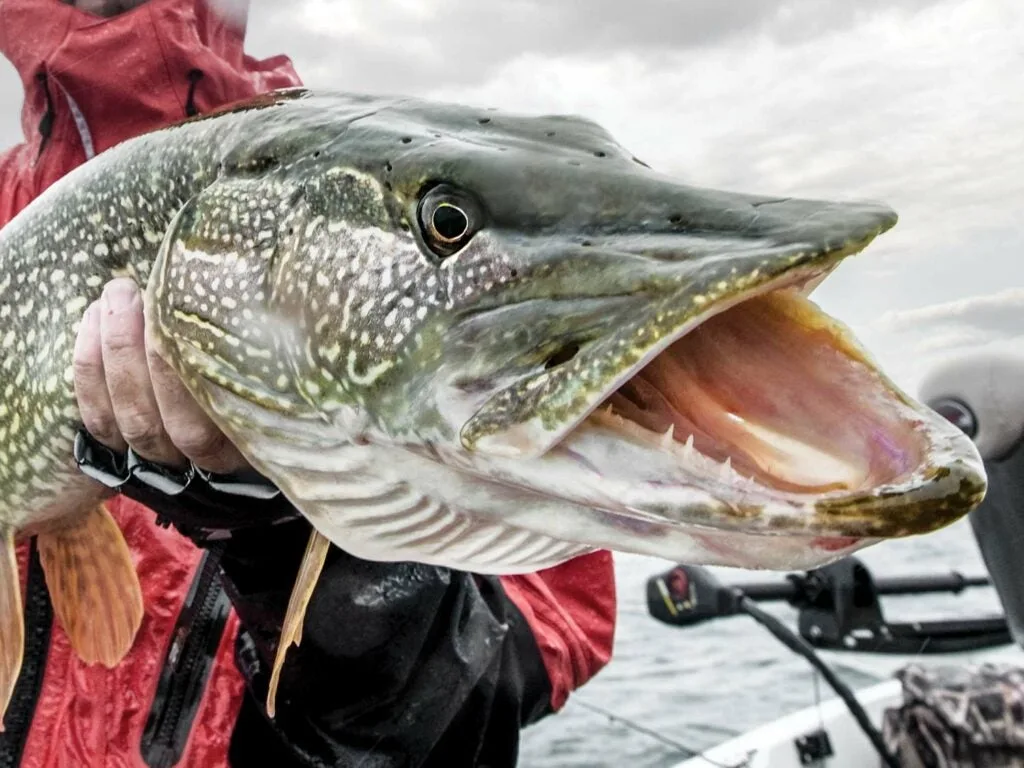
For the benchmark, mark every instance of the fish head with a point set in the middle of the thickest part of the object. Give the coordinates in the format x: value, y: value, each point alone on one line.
x: 522, y: 300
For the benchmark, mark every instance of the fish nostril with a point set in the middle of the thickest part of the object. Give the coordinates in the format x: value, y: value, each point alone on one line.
x: 676, y: 219
x: 562, y: 356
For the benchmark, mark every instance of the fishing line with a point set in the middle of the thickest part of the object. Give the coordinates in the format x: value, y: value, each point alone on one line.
x: 797, y: 644
x: 685, y: 751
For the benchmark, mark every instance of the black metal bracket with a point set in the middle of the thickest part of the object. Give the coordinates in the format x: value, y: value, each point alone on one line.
x: 840, y: 610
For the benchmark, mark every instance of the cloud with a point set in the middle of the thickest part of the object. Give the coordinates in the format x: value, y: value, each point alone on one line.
x: 911, y: 341
x: 410, y: 45
x: 996, y: 313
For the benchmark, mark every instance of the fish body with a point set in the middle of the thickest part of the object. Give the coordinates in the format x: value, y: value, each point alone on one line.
x: 480, y: 340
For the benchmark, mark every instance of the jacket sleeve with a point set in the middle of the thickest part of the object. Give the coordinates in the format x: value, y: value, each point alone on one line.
x: 413, y: 664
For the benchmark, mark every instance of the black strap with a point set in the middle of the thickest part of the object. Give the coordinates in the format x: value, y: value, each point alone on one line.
x: 203, y: 506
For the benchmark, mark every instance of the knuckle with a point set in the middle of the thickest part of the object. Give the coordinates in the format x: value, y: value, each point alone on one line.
x: 144, y: 432
x: 121, y: 339
x: 87, y: 369
x: 202, y: 444
x: 102, y: 426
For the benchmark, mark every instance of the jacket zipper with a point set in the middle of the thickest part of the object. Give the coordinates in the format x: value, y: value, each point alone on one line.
x: 45, y: 126
x: 38, y: 623
x: 194, y: 76
x: 187, y: 666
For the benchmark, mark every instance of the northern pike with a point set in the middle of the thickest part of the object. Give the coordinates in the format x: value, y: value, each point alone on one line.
x: 460, y: 337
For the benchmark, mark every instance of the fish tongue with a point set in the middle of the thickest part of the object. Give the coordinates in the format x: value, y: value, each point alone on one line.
x: 796, y: 462
x: 784, y: 458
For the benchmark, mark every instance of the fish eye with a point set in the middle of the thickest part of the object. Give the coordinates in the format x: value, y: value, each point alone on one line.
x: 448, y: 223
x: 448, y: 220
x: 957, y: 414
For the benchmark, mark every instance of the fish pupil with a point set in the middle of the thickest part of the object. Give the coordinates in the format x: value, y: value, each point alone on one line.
x: 449, y: 222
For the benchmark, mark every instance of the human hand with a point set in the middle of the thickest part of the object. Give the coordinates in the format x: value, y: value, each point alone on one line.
x: 105, y: 8
x: 128, y: 395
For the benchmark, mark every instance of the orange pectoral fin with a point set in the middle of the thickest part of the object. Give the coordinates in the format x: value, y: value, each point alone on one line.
x: 93, y: 585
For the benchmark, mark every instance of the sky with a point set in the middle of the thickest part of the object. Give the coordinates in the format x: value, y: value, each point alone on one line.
x: 915, y: 103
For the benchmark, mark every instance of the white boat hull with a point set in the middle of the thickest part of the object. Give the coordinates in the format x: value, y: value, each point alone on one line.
x: 774, y: 745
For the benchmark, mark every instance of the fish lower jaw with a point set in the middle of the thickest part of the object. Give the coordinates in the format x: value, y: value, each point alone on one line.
x: 689, y: 459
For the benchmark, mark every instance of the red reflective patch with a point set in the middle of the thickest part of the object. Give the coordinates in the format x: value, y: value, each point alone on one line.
x: 834, y: 543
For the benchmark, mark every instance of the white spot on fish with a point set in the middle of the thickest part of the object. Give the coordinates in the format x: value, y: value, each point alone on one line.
x: 370, y: 375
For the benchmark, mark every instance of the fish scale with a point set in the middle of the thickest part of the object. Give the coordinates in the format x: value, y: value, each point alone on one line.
x: 424, y: 388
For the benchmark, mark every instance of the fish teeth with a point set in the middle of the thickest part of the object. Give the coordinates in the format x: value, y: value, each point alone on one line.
x: 668, y: 438
x: 726, y: 472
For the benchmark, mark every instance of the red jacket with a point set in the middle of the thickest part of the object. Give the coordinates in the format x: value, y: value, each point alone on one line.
x: 89, y: 84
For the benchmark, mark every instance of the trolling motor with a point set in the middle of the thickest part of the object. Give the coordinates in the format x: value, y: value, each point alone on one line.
x: 838, y: 604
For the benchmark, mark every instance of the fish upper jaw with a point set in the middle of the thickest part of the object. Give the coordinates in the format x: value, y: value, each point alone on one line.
x: 536, y: 411
x: 725, y: 249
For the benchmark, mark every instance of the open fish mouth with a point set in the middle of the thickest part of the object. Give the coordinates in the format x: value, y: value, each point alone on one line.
x: 773, y: 408
x: 760, y: 415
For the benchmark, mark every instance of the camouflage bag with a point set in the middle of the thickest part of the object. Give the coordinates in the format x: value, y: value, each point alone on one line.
x: 958, y: 717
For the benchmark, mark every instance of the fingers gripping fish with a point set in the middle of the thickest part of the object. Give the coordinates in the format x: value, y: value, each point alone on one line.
x: 466, y: 338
